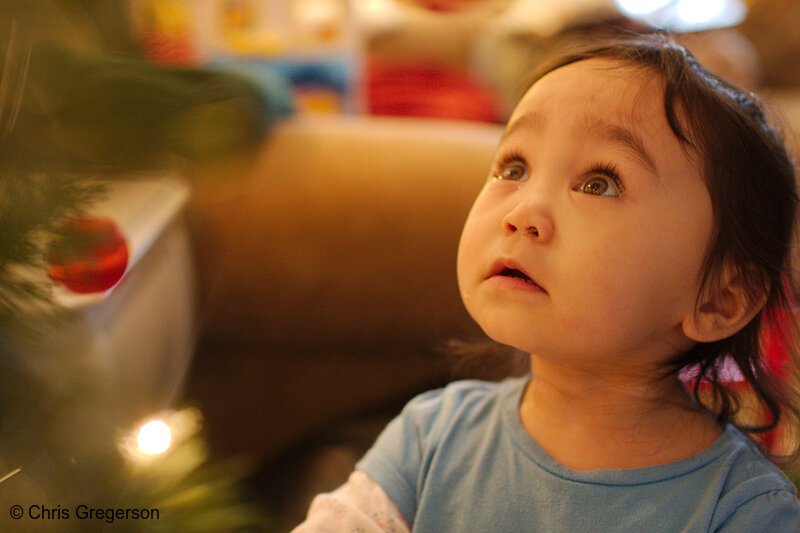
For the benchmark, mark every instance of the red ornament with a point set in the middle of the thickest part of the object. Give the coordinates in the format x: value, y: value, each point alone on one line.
x: 89, y: 255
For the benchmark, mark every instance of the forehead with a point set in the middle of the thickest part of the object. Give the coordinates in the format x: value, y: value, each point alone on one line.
x: 598, y: 88
x: 605, y: 99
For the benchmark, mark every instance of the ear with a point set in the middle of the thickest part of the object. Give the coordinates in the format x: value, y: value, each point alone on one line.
x: 723, y: 312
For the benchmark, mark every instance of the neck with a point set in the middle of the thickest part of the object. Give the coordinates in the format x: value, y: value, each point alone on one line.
x: 609, y: 418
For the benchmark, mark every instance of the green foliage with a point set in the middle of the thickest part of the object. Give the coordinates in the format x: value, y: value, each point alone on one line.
x: 192, y: 495
x: 78, y: 448
x: 101, y: 110
x: 71, y: 113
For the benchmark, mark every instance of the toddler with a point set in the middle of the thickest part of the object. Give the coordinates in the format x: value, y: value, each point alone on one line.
x: 636, y: 228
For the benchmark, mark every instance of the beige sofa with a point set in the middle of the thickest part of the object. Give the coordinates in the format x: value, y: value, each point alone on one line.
x: 327, y: 267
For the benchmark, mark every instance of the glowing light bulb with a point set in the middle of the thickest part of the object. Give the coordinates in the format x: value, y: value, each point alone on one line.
x: 696, y: 11
x: 154, y: 437
x: 640, y: 7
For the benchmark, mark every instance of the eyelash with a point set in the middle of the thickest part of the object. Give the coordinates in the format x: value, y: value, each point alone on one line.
x: 510, y: 157
x: 607, y: 170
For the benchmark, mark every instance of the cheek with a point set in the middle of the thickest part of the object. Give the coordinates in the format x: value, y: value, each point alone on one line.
x: 463, y: 261
x: 475, y: 235
x: 469, y: 246
x: 597, y: 292
x: 636, y: 282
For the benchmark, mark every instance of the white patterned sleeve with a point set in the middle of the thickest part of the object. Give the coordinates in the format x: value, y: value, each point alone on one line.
x: 358, y: 506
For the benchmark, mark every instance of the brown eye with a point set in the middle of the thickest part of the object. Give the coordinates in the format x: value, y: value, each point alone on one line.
x: 596, y: 186
x: 513, y: 171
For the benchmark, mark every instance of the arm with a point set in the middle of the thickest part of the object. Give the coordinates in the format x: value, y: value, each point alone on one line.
x: 358, y: 505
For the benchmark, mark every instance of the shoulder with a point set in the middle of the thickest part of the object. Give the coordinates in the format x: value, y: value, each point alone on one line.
x: 458, y: 393
x: 461, y: 411
x: 757, y: 496
x: 465, y: 398
x: 429, y: 415
x: 401, y: 457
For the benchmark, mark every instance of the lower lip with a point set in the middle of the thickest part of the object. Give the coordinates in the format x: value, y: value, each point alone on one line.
x: 515, y: 284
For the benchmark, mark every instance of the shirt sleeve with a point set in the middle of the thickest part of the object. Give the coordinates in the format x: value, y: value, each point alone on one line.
x: 776, y: 511
x: 398, y: 459
x: 358, y: 505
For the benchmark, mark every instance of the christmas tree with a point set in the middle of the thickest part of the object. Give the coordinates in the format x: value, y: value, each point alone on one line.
x: 79, y: 107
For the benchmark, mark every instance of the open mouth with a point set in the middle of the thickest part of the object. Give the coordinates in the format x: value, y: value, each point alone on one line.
x: 518, y: 274
x: 503, y: 270
x: 509, y: 272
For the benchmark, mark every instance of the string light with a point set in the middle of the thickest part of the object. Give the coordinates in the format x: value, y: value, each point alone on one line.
x: 696, y: 12
x: 159, y: 434
x: 685, y: 15
x: 154, y: 438
x: 636, y: 7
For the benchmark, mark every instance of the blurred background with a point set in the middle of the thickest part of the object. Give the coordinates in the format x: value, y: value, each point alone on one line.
x: 228, y: 230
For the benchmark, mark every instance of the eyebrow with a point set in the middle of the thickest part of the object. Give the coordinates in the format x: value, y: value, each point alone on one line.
x: 621, y: 135
x: 596, y: 128
x: 528, y: 121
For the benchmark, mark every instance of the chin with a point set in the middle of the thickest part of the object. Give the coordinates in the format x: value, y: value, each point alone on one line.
x: 509, y: 336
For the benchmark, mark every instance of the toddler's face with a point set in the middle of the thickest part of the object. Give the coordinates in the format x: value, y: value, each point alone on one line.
x: 587, y: 241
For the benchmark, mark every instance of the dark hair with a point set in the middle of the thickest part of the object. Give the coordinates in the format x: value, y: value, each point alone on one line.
x: 751, y: 179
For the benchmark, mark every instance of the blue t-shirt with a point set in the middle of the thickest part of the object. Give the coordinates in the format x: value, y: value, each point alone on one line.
x: 459, y: 460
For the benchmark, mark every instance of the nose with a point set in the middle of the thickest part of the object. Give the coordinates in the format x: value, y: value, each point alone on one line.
x: 531, y: 219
